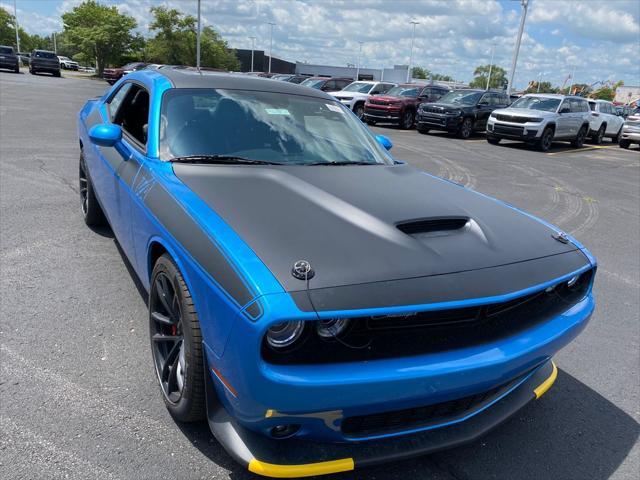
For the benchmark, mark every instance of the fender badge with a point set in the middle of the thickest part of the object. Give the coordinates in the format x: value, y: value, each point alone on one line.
x: 561, y: 237
x: 302, y: 270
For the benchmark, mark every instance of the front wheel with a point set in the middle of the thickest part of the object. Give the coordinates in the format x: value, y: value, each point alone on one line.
x: 578, y: 142
x: 17, y: 69
x: 371, y: 122
x: 493, y: 140
x: 545, y: 141
x: 624, y: 143
x: 176, y: 342
x: 91, y: 210
x: 407, y: 120
x: 359, y: 111
x: 423, y: 130
x: 618, y: 137
x: 597, y: 138
x: 466, y: 129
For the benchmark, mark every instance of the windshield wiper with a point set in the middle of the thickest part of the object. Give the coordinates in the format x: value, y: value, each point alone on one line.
x: 343, y: 163
x: 222, y: 159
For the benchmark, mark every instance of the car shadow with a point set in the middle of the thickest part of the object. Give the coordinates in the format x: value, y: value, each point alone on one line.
x: 572, y: 432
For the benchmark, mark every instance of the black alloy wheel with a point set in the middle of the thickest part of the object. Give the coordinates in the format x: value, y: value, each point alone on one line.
x: 91, y: 210
x: 578, y: 142
x: 546, y: 139
x: 466, y: 129
x: 359, y: 111
x: 176, y: 342
x: 408, y: 118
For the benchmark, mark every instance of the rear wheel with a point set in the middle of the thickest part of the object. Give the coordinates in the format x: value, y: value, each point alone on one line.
x: 176, y: 342
x: 466, y: 129
x: 597, y: 138
x: 624, y: 143
x: 545, y: 141
x: 407, y: 120
x: 91, y: 210
x: 578, y: 142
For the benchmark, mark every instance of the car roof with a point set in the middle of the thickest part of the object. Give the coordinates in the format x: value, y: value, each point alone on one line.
x: 195, y: 79
x: 553, y: 95
x: 41, y: 50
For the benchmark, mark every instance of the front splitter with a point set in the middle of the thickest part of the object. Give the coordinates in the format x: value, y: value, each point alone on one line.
x: 293, y: 458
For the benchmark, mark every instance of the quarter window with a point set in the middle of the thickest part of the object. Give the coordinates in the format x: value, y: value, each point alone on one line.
x: 117, y: 99
x: 133, y: 113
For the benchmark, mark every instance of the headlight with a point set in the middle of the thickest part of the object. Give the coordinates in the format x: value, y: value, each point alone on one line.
x: 284, y: 334
x: 493, y: 115
x: 454, y: 113
x: 534, y: 120
x: 332, y: 327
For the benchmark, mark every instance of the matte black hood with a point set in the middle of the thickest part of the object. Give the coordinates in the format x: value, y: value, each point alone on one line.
x: 344, y: 221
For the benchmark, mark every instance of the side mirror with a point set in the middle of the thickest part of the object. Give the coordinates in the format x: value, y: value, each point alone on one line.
x: 565, y: 110
x: 105, y: 134
x: 384, y: 141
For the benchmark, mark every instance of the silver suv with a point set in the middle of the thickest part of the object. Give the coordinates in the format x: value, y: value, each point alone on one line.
x: 541, y: 119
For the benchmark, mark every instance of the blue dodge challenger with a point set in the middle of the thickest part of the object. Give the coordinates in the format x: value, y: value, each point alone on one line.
x: 323, y: 305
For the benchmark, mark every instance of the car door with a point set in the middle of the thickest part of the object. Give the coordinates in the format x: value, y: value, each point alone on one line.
x: 132, y: 114
x: 483, y: 110
x: 564, y: 120
x: 579, y: 111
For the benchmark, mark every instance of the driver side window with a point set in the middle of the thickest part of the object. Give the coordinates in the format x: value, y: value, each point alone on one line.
x: 131, y: 112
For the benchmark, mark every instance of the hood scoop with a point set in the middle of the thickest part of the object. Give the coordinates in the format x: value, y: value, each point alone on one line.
x: 433, y: 227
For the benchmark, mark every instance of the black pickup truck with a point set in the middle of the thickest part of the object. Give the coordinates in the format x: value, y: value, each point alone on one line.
x: 44, y: 61
x: 8, y: 59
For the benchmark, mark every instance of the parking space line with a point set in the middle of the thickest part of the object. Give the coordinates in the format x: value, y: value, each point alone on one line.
x: 592, y: 147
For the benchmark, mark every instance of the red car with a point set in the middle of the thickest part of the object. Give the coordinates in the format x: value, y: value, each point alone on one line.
x: 112, y: 75
x: 399, y: 105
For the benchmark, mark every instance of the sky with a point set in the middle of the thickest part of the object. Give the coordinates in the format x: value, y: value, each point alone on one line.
x: 598, y: 39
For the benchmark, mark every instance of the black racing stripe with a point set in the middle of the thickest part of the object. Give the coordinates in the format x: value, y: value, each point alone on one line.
x: 127, y: 170
x: 197, y: 243
x: 254, y: 310
x: 487, y: 282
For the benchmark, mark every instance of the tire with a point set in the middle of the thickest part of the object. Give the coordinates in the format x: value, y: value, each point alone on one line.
x: 91, y: 210
x: 466, y: 129
x: 423, y: 130
x: 597, y: 138
x: 176, y: 343
x: 358, y: 109
x: 546, y: 139
x: 578, y: 142
x: 32, y: 72
x: 493, y: 140
x: 624, y: 143
x: 618, y: 137
x: 371, y: 122
x: 17, y: 69
x: 408, y: 119
x: 57, y: 74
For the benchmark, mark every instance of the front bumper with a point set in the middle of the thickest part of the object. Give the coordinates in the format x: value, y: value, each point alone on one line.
x: 438, y: 122
x: 8, y: 63
x: 514, y: 131
x: 631, y: 134
x: 294, y: 458
x: 382, y: 114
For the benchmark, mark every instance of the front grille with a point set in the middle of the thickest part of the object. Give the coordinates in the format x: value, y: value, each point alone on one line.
x: 373, y: 101
x: 424, y: 416
x: 514, y: 119
x: 431, y: 109
x: 418, y: 333
x: 508, y: 129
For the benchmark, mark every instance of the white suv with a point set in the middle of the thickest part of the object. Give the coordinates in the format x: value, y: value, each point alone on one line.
x: 604, y: 121
x: 355, y: 94
x: 67, y: 64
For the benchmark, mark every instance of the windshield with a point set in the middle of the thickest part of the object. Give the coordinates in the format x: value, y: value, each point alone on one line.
x: 404, y: 92
x: 537, y: 103
x: 314, y: 83
x: 65, y: 58
x: 45, y: 55
x: 360, y: 87
x: 6, y: 50
x: 264, y: 126
x: 461, y: 97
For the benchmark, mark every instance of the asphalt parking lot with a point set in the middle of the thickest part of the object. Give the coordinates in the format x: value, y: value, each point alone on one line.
x: 78, y: 396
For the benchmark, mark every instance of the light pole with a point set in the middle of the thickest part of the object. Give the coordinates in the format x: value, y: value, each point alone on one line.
x: 198, y: 39
x: 15, y: 16
x: 270, y: 45
x: 493, y: 49
x: 358, y: 67
x: 55, y: 45
x: 525, y: 5
x: 413, y: 34
x: 253, y: 47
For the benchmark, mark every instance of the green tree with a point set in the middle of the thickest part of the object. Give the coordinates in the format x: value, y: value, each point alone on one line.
x: 418, y: 72
x: 7, y: 28
x: 423, y: 73
x: 175, y: 42
x: 481, y: 73
x: 100, y: 32
x: 545, y: 87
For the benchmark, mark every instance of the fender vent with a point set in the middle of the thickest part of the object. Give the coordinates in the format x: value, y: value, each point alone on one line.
x: 432, y: 225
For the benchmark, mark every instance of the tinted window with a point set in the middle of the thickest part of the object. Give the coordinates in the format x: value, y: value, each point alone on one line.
x: 133, y: 113
x: 6, y: 50
x: 537, y: 103
x: 117, y: 99
x: 462, y: 97
x: 404, y: 91
x: 38, y: 54
x: 360, y: 87
x: 342, y: 83
x: 593, y: 106
x: 385, y: 87
x: 290, y: 129
x: 577, y: 105
x: 313, y: 83
x: 330, y: 85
